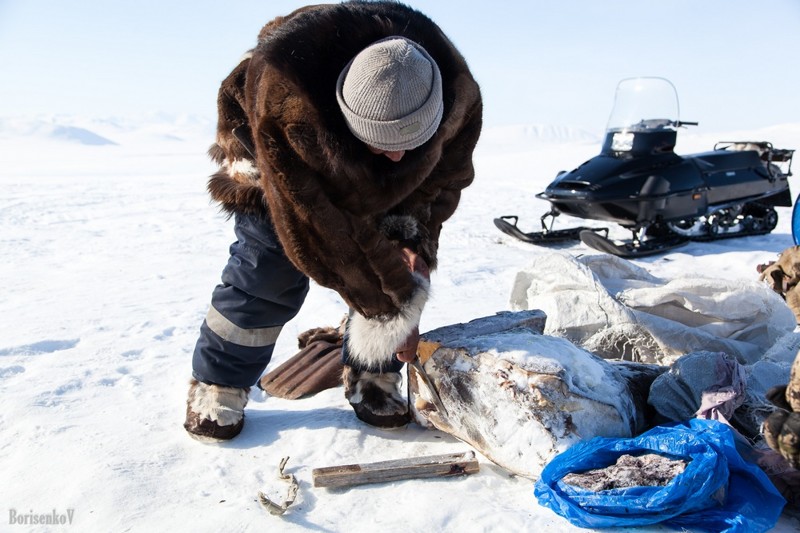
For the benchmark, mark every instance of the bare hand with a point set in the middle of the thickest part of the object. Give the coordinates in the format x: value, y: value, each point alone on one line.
x: 416, y: 263
x: 408, y: 350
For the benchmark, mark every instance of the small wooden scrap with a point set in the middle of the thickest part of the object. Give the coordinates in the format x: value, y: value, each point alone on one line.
x: 274, y: 508
x: 447, y: 465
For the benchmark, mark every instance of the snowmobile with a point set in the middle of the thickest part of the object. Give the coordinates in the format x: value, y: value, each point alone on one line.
x: 664, y: 199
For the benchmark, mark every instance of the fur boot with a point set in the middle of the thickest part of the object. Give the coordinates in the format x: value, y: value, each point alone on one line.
x: 376, y: 398
x: 214, y: 413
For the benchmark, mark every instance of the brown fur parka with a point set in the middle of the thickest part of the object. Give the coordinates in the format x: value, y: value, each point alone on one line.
x: 341, y: 212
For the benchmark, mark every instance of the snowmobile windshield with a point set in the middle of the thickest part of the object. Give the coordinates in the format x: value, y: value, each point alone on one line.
x: 644, y: 104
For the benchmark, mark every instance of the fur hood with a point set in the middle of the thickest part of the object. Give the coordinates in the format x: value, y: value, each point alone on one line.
x: 341, y: 212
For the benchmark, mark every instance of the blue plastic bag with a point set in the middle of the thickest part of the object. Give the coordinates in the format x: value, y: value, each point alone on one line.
x: 717, y: 491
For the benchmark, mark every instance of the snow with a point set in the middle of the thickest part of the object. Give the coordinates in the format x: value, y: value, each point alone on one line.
x: 109, y: 255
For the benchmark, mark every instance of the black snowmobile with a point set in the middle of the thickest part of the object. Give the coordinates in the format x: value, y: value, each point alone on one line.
x: 664, y: 199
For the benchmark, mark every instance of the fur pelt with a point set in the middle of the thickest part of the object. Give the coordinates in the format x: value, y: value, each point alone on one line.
x: 342, y: 213
x: 783, y: 277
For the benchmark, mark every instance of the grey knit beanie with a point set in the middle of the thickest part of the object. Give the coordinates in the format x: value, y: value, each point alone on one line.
x: 391, y: 94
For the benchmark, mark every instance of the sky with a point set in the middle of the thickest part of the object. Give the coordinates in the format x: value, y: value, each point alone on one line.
x: 734, y: 63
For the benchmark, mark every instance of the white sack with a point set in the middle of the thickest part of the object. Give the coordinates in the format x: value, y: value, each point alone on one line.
x: 616, y: 309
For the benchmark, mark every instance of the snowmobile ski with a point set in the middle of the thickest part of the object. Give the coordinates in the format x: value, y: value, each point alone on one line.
x: 631, y: 249
x: 546, y: 236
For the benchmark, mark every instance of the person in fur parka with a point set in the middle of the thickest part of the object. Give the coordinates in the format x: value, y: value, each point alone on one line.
x: 344, y: 140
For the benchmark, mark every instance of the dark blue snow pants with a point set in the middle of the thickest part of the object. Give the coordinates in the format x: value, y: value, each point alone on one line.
x: 260, y: 292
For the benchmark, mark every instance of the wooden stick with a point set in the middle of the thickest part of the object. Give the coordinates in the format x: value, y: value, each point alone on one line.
x: 447, y: 465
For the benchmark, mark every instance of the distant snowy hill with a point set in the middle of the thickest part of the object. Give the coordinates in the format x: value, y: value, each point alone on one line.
x: 65, y: 145
x: 167, y: 128
x: 165, y: 132
x: 522, y: 137
x: 79, y: 135
x: 157, y: 128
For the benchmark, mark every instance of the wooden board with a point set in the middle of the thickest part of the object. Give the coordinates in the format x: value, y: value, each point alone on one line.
x: 446, y: 465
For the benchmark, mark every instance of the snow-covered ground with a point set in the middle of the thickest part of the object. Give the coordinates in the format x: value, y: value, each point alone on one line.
x: 109, y: 250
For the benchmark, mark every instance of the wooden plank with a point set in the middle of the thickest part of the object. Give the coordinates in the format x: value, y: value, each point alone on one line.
x: 447, y: 465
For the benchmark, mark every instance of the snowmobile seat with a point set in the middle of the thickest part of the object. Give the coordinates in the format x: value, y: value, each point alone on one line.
x: 723, y: 160
x: 777, y: 161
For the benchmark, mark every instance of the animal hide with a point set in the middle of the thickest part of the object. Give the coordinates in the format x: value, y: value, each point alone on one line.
x: 520, y: 397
